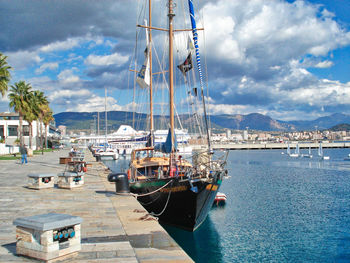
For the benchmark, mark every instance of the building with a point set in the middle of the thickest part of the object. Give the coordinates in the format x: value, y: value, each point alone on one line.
x: 9, y: 123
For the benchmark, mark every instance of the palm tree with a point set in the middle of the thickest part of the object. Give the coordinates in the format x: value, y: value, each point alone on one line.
x: 47, y: 118
x: 19, y: 95
x: 40, y: 102
x: 4, y: 74
x: 31, y: 115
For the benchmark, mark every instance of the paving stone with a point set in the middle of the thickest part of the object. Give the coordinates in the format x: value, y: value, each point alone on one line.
x: 107, y: 234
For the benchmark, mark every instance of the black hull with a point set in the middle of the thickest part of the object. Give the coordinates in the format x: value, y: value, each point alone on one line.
x: 178, y: 202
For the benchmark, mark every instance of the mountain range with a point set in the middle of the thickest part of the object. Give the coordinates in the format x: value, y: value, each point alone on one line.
x: 253, y: 121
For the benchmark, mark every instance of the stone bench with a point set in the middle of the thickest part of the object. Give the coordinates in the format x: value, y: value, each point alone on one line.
x: 69, y: 180
x: 41, y: 181
x: 48, y: 236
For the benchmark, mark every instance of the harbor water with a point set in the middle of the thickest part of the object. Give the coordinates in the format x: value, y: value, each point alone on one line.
x: 279, y: 209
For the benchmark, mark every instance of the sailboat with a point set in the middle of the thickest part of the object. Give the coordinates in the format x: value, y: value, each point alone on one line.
x: 178, y: 191
x: 296, y: 152
x: 321, y: 154
x: 309, y: 155
x: 106, y: 152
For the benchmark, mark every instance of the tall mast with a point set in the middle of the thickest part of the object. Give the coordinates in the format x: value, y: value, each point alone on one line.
x: 150, y: 69
x: 106, y: 114
x: 171, y: 72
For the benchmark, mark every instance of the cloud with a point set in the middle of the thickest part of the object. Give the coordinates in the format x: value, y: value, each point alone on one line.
x: 67, y: 77
x: 46, y: 66
x: 324, y: 64
x: 83, y: 100
x: 22, y: 59
x: 113, y: 59
x: 61, y: 45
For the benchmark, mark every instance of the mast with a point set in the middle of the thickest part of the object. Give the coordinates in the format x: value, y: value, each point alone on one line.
x: 106, y: 114
x: 150, y: 69
x: 171, y: 72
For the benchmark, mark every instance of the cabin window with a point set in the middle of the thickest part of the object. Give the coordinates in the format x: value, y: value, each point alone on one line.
x: 12, y: 130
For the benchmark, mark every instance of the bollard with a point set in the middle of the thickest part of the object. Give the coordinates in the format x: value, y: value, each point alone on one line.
x: 121, y: 182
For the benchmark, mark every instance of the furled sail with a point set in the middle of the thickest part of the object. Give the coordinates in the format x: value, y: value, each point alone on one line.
x: 166, y: 146
x: 143, y: 76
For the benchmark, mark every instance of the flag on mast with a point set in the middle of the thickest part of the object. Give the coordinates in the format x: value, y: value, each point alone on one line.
x: 187, y: 65
x: 143, y: 76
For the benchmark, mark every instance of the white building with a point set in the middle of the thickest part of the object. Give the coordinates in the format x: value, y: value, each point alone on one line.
x: 9, y: 125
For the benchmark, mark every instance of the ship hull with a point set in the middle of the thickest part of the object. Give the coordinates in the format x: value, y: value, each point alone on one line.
x: 183, y: 203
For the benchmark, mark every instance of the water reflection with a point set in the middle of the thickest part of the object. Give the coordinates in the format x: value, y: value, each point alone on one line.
x: 203, y: 245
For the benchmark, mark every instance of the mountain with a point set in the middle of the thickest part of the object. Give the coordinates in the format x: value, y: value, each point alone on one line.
x: 322, y: 123
x: 341, y: 127
x: 253, y: 121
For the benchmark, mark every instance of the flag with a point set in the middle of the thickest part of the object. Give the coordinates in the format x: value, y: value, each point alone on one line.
x: 190, y: 46
x: 187, y: 65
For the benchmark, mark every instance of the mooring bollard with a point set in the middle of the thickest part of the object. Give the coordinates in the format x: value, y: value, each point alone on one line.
x: 121, y: 182
x: 48, y: 236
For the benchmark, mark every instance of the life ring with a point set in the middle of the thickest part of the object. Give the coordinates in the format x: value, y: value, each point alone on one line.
x: 129, y: 174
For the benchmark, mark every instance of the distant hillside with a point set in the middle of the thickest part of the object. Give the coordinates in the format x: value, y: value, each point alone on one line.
x: 323, y: 122
x: 254, y: 121
x: 341, y: 127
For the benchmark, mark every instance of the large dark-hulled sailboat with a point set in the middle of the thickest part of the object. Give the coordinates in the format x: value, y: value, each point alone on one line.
x: 179, y: 191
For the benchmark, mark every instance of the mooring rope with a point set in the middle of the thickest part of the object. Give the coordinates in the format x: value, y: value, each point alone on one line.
x: 140, y: 195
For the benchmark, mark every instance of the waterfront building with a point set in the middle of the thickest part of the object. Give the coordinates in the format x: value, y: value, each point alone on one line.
x: 9, y: 128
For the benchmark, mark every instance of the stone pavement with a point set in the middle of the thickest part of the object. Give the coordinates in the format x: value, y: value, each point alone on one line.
x: 115, y: 228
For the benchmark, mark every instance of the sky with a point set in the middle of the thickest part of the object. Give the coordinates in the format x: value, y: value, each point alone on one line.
x: 289, y: 60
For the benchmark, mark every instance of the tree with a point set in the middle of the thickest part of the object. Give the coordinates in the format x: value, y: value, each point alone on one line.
x: 19, y: 96
x: 40, y: 102
x: 4, y: 74
x: 47, y: 118
x: 31, y: 115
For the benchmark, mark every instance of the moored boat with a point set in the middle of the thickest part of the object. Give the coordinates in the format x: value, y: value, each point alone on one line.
x: 178, y: 189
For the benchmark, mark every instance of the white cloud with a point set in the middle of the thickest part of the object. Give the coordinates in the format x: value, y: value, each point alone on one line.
x: 67, y: 76
x: 324, y: 64
x: 45, y: 66
x: 23, y: 59
x: 114, y: 59
x: 269, y: 32
x: 61, y: 45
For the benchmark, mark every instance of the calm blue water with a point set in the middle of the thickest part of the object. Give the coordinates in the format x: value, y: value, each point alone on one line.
x: 279, y: 209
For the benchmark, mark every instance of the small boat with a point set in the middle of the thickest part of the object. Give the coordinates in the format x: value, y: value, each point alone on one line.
x: 220, y: 199
x: 309, y: 155
x: 321, y: 154
x: 296, y: 153
x: 347, y: 158
x: 108, y: 153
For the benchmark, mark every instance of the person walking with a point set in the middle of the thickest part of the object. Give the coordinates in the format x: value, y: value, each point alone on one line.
x: 24, y: 153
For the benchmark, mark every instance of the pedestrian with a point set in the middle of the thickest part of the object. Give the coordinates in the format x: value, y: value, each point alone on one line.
x: 24, y: 153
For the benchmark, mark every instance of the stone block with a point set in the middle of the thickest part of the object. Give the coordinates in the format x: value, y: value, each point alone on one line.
x: 69, y: 180
x: 48, y: 236
x: 41, y: 181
